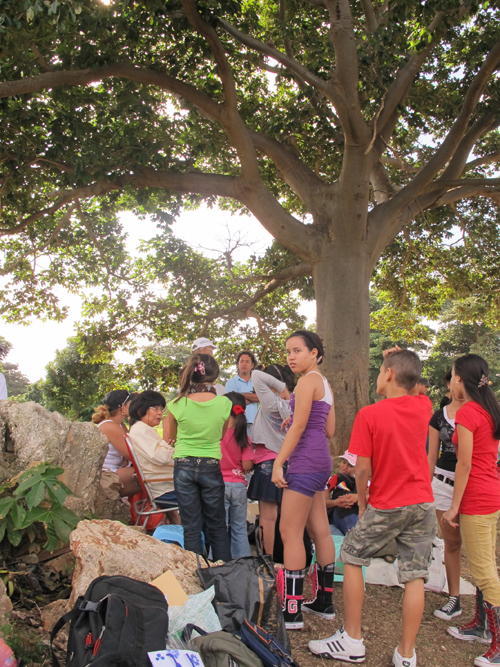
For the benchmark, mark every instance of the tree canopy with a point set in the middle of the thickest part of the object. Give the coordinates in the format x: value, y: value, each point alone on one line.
x: 360, y: 134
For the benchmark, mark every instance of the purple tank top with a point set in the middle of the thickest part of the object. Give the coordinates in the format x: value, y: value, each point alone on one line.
x: 312, y: 453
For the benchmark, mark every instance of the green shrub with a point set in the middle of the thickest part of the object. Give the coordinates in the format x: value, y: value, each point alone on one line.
x: 32, y: 506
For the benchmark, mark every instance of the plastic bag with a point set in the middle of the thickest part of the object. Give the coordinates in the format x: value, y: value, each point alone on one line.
x: 197, y: 610
x: 246, y: 588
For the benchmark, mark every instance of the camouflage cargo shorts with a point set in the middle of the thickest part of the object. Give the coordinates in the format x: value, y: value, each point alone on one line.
x: 413, y: 527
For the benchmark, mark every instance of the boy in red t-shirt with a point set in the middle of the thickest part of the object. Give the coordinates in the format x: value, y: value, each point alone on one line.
x: 400, y: 506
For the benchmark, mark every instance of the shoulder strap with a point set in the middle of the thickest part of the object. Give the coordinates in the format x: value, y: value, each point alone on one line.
x: 188, y: 631
x: 67, y: 618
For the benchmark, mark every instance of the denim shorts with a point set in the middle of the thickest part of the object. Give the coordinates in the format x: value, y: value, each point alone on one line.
x: 261, y: 487
x: 308, y: 484
x: 168, y: 498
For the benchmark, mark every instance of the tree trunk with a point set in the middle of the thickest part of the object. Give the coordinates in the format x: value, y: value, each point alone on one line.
x: 342, y: 281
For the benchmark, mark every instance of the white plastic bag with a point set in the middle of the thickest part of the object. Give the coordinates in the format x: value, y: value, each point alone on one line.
x: 198, y: 610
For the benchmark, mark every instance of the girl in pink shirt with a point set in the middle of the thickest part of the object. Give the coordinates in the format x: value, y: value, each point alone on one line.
x: 237, y: 455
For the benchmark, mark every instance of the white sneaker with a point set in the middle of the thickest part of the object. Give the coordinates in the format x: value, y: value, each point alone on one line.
x: 399, y: 661
x: 339, y: 647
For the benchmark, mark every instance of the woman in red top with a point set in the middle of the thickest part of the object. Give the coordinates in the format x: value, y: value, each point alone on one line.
x: 476, y: 497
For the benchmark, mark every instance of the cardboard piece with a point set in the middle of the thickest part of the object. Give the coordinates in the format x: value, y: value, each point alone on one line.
x: 171, y: 588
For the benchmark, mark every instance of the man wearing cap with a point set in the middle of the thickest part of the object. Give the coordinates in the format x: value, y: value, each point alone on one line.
x: 242, y: 383
x: 205, y: 346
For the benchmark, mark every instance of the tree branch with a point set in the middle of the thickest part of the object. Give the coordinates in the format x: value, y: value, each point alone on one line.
x: 277, y: 281
x: 342, y: 37
x: 371, y: 19
x: 302, y: 180
x: 41, y: 60
x: 486, y: 159
x: 457, y: 163
x: 204, y: 103
x: 404, y: 78
x: 392, y: 209
x: 296, y: 68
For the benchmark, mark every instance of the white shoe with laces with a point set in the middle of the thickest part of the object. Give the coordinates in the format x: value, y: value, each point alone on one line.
x: 339, y: 647
x: 450, y: 610
x: 399, y: 661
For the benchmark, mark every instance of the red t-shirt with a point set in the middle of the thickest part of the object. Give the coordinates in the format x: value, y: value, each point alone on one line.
x: 482, y: 493
x: 232, y: 456
x: 393, y: 434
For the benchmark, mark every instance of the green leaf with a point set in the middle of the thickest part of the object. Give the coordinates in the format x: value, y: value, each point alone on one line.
x: 62, y: 529
x: 52, y: 540
x: 36, y: 495
x: 26, y: 484
x: 5, y: 506
x: 56, y: 491
x: 3, y: 527
x: 17, y: 514
x: 14, y: 536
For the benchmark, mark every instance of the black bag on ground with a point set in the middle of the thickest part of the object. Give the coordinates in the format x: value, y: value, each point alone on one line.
x: 278, y: 542
x: 263, y: 644
x: 116, y: 623
x: 246, y: 588
x: 220, y: 649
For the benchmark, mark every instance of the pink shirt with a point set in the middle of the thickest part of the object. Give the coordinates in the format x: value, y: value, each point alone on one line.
x: 232, y: 456
x: 262, y: 453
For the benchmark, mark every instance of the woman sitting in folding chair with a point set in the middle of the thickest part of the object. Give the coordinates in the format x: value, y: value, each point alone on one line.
x: 154, y: 455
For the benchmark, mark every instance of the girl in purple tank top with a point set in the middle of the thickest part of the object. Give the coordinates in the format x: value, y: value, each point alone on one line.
x: 310, y: 464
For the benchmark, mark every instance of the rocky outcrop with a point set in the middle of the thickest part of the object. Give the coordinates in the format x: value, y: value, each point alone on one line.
x: 109, y: 547
x: 31, y: 434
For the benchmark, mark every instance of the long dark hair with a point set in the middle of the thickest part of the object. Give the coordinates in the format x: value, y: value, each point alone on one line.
x: 200, y: 368
x: 312, y: 341
x: 473, y: 370
x: 283, y: 374
x: 240, y: 427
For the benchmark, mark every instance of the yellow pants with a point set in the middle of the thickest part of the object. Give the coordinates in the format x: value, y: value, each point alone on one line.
x: 479, y: 534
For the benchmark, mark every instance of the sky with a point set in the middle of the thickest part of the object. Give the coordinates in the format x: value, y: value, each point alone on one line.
x: 35, y: 344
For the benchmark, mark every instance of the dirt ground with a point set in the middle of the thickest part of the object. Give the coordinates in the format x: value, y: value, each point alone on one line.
x: 382, y: 625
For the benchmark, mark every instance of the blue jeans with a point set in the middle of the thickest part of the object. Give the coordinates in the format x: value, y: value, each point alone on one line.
x: 200, y: 494
x: 235, y: 501
x: 342, y: 524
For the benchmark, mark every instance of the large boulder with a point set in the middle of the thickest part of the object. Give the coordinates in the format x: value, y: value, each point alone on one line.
x: 109, y: 547
x: 31, y: 434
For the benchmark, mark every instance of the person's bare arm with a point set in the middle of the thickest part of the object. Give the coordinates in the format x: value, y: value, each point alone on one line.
x: 251, y: 397
x: 330, y: 422
x: 462, y: 471
x: 433, y: 454
x: 170, y: 429
x: 116, y: 436
x: 247, y: 465
x: 362, y: 474
x: 224, y: 428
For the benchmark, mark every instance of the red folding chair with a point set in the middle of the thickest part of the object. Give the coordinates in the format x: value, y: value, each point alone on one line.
x: 145, y: 507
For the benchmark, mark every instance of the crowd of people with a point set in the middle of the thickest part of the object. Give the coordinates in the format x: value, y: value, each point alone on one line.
x: 404, y: 470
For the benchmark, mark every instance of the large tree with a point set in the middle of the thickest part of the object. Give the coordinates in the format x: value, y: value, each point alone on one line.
x: 338, y: 124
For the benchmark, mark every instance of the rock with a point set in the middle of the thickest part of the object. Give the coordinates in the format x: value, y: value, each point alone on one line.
x: 105, y: 508
x: 5, y: 604
x: 109, y: 547
x: 31, y: 434
x: 53, y: 612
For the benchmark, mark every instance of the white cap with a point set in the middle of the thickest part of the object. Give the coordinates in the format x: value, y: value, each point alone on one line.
x: 200, y: 343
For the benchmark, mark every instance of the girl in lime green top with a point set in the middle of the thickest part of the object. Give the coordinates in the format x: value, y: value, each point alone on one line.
x: 196, y: 422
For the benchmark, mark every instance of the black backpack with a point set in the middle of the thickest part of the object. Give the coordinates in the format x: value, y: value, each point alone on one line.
x: 116, y: 623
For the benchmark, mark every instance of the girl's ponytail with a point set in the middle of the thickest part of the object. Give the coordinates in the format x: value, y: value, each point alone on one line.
x: 201, y: 368
x: 238, y: 414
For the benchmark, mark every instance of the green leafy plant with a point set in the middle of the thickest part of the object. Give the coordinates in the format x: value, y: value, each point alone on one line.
x: 34, y: 498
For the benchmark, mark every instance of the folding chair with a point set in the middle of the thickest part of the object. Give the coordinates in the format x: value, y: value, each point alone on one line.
x: 146, y: 506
